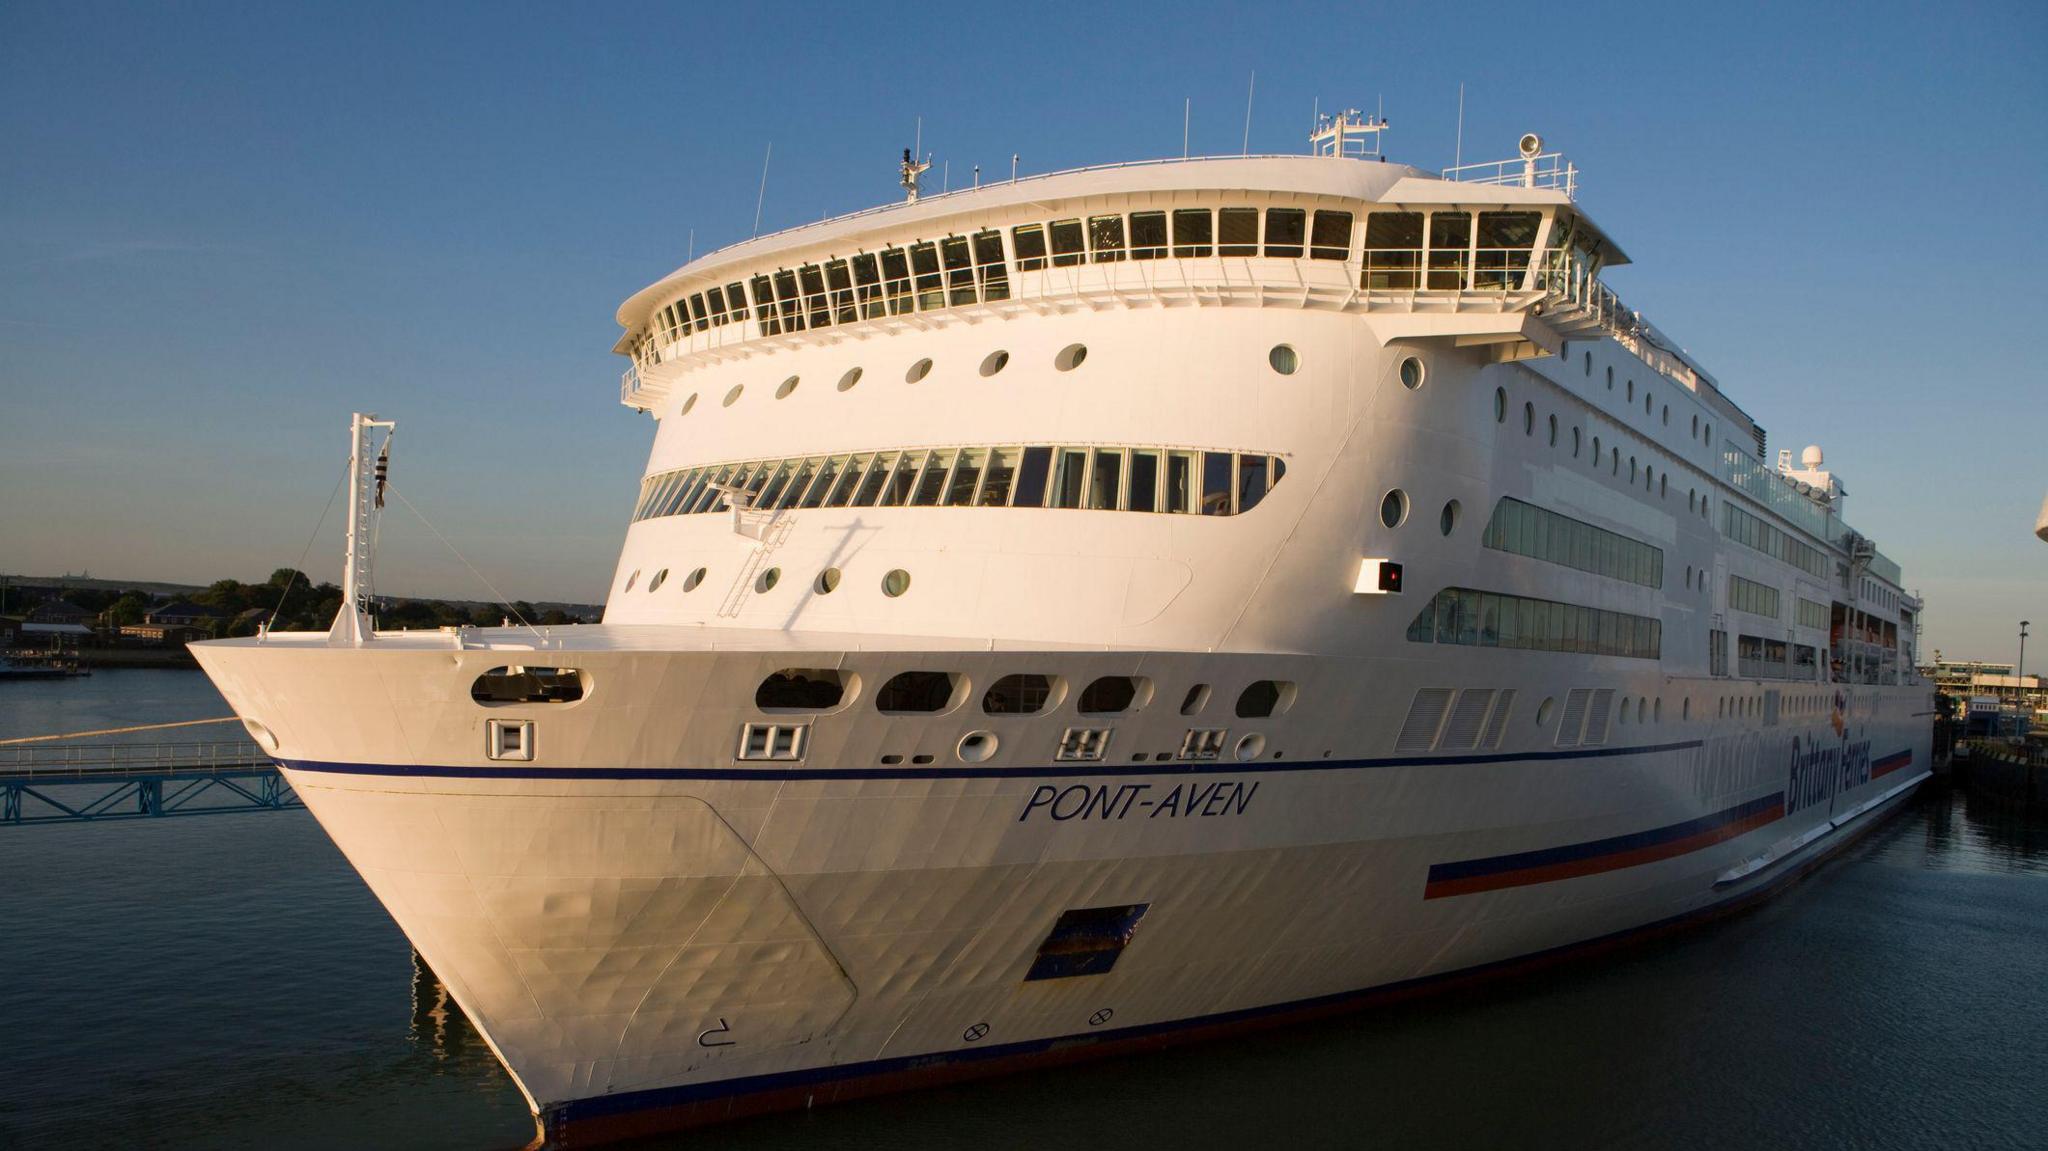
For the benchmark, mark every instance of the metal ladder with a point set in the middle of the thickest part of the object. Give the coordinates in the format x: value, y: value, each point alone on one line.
x: 773, y: 529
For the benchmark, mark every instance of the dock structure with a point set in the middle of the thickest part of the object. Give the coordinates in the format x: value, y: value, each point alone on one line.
x: 89, y: 783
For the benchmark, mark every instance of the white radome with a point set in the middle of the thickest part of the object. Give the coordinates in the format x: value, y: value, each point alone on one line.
x: 1103, y: 608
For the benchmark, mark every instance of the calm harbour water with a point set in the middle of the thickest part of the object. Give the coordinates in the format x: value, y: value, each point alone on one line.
x: 227, y: 982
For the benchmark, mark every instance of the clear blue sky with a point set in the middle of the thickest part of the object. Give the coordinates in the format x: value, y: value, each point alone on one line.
x: 222, y: 228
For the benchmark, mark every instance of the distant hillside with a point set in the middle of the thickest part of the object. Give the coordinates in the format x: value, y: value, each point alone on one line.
x: 164, y: 590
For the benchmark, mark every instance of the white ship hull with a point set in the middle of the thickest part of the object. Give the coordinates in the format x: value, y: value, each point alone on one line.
x: 1633, y: 676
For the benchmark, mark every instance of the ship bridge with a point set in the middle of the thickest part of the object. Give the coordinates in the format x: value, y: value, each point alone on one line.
x: 1498, y: 256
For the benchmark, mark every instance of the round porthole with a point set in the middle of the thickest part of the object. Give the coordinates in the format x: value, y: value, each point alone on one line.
x: 1394, y: 508
x: 1575, y: 443
x: 1649, y: 402
x: 1695, y: 427
x: 1665, y: 419
x: 687, y: 405
x: 1553, y: 431
x: 1283, y: 359
x: 1544, y: 711
x: 1411, y: 373
x: 660, y: 578
x: 1500, y: 405
x: 1251, y: 746
x: 1070, y: 357
x: 632, y: 579
x: 768, y: 579
x: 851, y: 378
x: 1614, y: 462
x: 734, y: 394
x: 827, y: 581
x: 918, y: 371
x: 1596, y: 451
x: 691, y: 581
x: 977, y: 746
x: 995, y: 362
x: 895, y: 583
x: 1707, y: 434
x: 1448, y: 521
x: 788, y: 386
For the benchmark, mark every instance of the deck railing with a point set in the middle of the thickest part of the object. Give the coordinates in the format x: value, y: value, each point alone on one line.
x: 1550, y: 171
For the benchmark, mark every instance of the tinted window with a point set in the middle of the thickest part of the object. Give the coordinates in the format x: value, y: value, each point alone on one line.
x: 1285, y: 228
x: 1022, y: 694
x: 1029, y: 242
x: 1109, y: 695
x: 1106, y: 238
x: 915, y: 691
x: 1240, y: 231
x: 1031, y: 476
x: 1144, y: 493
x: 1066, y: 242
x: 1215, y: 483
x: 1194, y: 233
x: 1148, y: 235
x: 1331, y: 239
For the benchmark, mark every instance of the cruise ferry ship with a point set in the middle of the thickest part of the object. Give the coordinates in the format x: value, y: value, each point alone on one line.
x: 1101, y: 609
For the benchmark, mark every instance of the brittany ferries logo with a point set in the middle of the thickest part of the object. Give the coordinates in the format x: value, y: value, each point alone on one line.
x: 1821, y: 772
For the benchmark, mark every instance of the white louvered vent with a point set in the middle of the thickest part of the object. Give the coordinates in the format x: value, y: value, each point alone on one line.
x: 1468, y: 719
x: 1425, y: 718
x: 1573, y: 721
x: 1497, y: 724
x: 1597, y: 715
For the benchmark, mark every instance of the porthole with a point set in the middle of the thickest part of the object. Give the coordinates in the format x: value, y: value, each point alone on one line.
x: 1631, y: 469
x: 1664, y: 486
x: 895, y: 583
x: 1070, y: 357
x: 787, y: 386
x: 687, y: 405
x: 1575, y: 443
x: 995, y: 362
x: 1596, y: 451
x: 262, y: 734
x: 827, y: 581
x: 1448, y: 521
x: 1666, y: 417
x: 918, y: 371
x: 768, y: 579
x: 976, y: 746
x: 660, y: 577
x: 1685, y: 710
x: 1610, y: 374
x: 1631, y: 395
x: 1500, y: 405
x: 1707, y: 434
x: 1394, y: 508
x: 1692, y: 496
x: 1695, y: 427
x: 1411, y: 373
x: 1614, y: 460
x: 733, y: 396
x: 1544, y: 711
x: 1196, y: 699
x: 1528, y: 419
x: 847, y: 381
x: 1657, y: 710
x: 1589, y: 369
x: 1553, y: 431
x: 632, y: 579
x: 691, y: 581
x: 1251, y: 747
x: 1648, y: 403
x: 1688, y: 575
x: 1283, y: 359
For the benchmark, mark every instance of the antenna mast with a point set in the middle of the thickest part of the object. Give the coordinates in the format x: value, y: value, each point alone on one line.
x: 912, y: 169
x: 352, y: 624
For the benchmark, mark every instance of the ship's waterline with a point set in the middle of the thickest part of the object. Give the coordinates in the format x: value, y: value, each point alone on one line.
x: 1110, y: 607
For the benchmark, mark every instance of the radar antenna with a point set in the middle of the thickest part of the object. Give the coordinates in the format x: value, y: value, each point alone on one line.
x: 1348, y: 133
x: 912, y: 169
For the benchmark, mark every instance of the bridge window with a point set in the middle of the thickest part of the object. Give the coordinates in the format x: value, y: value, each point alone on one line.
x: 924, y: 268
x: 813, y: 279
x: 715, y: 300
x: 1393, y: 250
x: 736, y: 303
x: 989, y: 267
x: 1148, y: 235
x: 1284, y: 231
x: 917, y: 692
x: 1240, y: 231
x: 503, y: 686
x: 1106, y: 238
x: 867, y: 285
x: 1505, y: 240
x: 959, y: 270
x: 764, y: 306
x: 896, y: 279
x: 1330, y: 238
x: 697, y: 312
x: 1020, y: 694
x: 1066, y: 243
x: 1194, y: 233
x: 841, y: 282
x: 801, y: 689
x: 1028, y: 242
x: 1450, y: 238
x: 1001, y: 471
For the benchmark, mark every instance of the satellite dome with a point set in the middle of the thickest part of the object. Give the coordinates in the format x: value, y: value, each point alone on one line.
x: 1811, y: 457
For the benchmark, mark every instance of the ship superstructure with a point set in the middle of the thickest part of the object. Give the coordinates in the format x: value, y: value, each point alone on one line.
x: 1098, y: 608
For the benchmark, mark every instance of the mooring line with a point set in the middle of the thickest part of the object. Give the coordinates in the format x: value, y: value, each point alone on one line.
x: 118, y: 730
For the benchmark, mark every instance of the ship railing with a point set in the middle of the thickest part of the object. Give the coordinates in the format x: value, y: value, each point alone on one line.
x: 91, y: 760
x: 1549, y: 171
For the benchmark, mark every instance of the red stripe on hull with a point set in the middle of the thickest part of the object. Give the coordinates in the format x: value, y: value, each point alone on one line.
x: 1601, y: 863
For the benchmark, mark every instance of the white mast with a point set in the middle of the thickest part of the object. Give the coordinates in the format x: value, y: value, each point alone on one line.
x: 352, y: 624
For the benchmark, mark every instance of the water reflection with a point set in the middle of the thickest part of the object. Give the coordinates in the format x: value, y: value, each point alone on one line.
x: 1964, y: 832
x: 438, y: 1025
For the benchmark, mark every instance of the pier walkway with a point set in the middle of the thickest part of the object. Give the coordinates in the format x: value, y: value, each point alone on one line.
x: 81, y: 783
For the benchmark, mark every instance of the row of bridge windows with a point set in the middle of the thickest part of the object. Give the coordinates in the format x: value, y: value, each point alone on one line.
x: 1442, y: 250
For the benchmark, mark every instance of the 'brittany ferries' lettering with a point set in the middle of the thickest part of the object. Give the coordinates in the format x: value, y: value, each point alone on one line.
x: 1117, y: 801
x: 1820, y: 773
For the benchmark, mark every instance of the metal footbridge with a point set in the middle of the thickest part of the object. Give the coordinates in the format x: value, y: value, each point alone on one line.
x: 52, y: 782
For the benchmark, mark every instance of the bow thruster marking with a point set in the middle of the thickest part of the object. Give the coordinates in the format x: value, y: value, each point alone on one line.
x: 975, y: 1032
x: 713, y: 1036
x: 1101, y: 1017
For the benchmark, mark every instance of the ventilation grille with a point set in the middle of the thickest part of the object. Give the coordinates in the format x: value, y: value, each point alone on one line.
x: 1573, y: 721
x: 1497, y: 726
x: 1597, y: 715
x: 1468, y: 719
x: 1425, y: 718
x: 1082, y: 744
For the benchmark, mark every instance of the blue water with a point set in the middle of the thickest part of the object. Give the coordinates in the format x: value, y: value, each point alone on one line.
x: 227, y: 982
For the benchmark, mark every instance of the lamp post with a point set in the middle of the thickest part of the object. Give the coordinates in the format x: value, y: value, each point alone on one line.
x: 2019, y: 675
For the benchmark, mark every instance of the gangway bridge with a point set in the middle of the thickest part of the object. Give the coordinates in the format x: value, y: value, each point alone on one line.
x: 90, y: 783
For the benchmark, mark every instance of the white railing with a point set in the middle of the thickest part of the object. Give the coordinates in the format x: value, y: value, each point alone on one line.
x: 1549, y: 171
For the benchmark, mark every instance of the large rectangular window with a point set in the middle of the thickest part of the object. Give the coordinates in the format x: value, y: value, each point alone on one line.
x: 1066, y: 243
x: 841, y: 283
x: 1539, y: 533
x: 1028, y: 241
x: 1330, y: 239
x: 1036, y: 465
x: 924, y: 269
x: 1194, y: 233
x: 1505, y: 239
x: 1450, y: 239
x: 1488, y: 619
x: 1148, y: 235
x: 1002, y: 469
x: 764, y: 306
x: 1286, y: 228
x: 989, y: 266
x: 867, y: 285
x: 1106, y: 481
x: 1067, y: 479
x: 1216, y: 478
x: 1393, y: 251
x: 1752, y: 597
x: 1180, y: 481
x: 1239, y: 231
x: 1106, y: 238
x: 896, y: 279
x: 1813, y: 615
x: 959, y: 270
x: 1746, y: 529
x: 1144, y: 493
x: 813, y: 279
